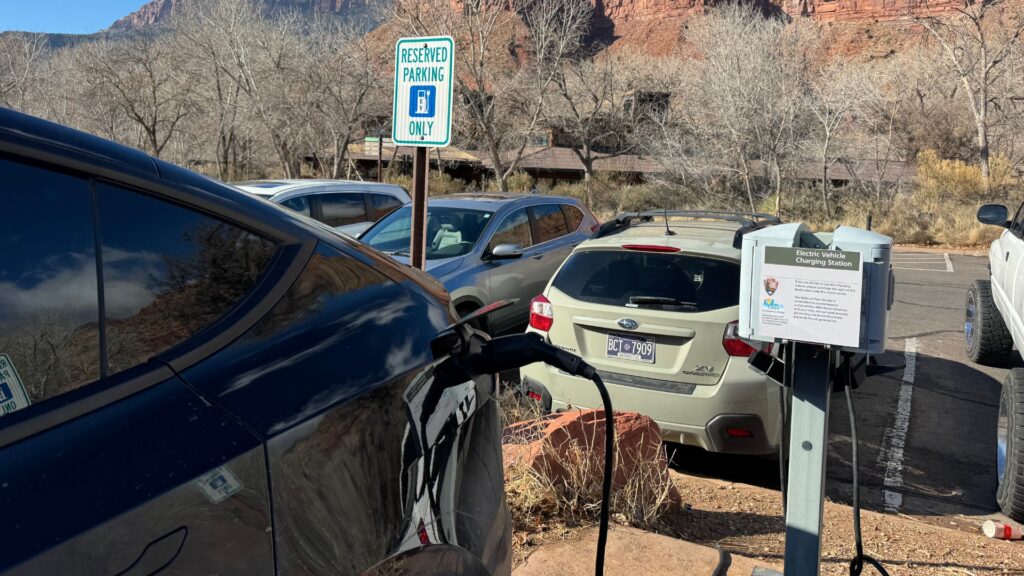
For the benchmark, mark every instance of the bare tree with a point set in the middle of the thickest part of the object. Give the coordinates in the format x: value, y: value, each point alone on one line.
x: 20, y: 55
x: 500, y: 78
x: 198, y: 32
x: 142, y: 79
x: 834, y: 94
x: 738, y: 105
x: 343, y: 79
x: 981, y: 41
x: 598, y: 102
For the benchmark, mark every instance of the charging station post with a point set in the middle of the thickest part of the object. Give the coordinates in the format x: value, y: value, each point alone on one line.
x: 821, y: 294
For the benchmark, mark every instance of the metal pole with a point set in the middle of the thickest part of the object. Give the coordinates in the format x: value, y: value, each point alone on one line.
x: 380, y: 157
x: 808, y: 437
x: 418, y: 249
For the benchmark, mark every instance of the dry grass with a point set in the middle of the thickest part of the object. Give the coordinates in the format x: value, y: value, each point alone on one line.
x: 917, y: 221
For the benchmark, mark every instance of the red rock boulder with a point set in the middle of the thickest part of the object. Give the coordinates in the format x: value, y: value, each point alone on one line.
x: 567, y: 449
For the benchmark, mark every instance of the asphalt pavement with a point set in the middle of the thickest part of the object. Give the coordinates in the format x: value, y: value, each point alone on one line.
x: 926, y: 429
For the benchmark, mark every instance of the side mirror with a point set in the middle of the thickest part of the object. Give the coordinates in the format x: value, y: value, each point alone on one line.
x: 507, y: 251
x: 994, y: 214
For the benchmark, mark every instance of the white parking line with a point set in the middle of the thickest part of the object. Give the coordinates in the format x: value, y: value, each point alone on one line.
x: 894, y: 439
x: 922, y: 262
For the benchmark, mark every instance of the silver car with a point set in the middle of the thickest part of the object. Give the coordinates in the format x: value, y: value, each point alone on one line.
x: 348, y: 206
x: 490, y: 247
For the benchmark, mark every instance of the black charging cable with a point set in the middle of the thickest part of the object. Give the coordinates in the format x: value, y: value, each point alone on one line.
x: 518, y: 350
x: 858, y: 561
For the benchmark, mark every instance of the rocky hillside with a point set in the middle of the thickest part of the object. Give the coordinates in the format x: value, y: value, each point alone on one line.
x: 655, y: 25
x: 158, y: 11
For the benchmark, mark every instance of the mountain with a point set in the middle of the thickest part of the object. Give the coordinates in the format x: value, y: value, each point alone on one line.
x: 654, y: 25
x: 156, y: 12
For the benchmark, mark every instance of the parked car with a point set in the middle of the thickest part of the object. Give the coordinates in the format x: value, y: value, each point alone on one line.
x: 993, y: 326
x: 490, y: 247
x: 196, y: 382
x: 652, y: 302
x: 348, y: 206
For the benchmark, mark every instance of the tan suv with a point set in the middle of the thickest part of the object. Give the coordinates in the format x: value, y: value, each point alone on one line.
x: 652, y: 302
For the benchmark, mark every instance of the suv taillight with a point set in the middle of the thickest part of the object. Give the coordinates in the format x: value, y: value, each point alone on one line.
x: 541, y: 316
x: 734, y: 346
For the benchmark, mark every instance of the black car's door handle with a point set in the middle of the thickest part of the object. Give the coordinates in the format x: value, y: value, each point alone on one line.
x: 158, y: 554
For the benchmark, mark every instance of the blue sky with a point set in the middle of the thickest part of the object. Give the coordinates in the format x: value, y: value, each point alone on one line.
x: 69, y: 16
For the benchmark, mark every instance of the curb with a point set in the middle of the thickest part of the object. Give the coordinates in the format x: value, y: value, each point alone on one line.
x: 976, y: 252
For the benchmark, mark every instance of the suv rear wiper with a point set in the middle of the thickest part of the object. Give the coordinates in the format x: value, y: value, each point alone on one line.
x: 658, y: 301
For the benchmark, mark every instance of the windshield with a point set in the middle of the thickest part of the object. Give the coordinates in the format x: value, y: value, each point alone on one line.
x: 673, y: 282
x: 450, y: 231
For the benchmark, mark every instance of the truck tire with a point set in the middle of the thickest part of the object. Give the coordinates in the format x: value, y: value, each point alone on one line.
x: 985, y: 333
x: 1010, y: 446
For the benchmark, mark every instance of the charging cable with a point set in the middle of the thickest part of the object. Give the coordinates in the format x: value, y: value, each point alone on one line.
x: 858, y: 561
x: 518, y: 350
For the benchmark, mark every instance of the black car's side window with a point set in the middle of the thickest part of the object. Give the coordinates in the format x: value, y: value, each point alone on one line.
x: 550, y: 222
x: 168, y: 272
x: 299, y: 204
x: 514, y: 229
x: 573, y: 217
x: 342, y: 209
x: 49, y: 310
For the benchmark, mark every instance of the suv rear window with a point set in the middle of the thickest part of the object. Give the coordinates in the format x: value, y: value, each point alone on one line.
x: 672, y: 282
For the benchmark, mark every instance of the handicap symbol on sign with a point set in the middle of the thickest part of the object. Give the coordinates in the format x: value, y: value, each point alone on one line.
x: 422, y: 100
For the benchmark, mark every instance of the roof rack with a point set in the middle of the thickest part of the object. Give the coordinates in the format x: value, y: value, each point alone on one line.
x: 748, y: 221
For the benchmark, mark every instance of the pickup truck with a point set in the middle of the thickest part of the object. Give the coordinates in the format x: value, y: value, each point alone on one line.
x: 993, y: 327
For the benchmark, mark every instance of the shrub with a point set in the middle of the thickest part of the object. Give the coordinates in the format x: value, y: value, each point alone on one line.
x: 438, y: 183
x: 956, y: 180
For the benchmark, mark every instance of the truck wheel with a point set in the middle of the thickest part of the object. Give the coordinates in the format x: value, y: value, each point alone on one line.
x: 1010, y: 446
x: 985, y: 334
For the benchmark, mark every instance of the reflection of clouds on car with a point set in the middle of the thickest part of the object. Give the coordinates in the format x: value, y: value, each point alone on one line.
x: 67, y: 285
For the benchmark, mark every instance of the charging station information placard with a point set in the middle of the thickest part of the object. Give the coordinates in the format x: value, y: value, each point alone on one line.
x: 422, y: 114
x: 811, y: 295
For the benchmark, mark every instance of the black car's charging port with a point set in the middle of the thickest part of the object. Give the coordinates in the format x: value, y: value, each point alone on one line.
x: 478, y: 355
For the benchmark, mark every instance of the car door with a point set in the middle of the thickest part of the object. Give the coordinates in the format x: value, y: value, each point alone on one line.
x: 109, y: 463
x: 512, y: 278
x: 1010, y: 288
x: 554, y: 242
x: 375, y: 447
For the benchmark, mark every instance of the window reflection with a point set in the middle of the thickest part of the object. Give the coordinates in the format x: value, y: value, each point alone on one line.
x: 49, y: 310
x: 168, y: 272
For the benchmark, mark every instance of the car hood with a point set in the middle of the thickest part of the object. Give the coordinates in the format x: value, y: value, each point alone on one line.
x: 437, y: 268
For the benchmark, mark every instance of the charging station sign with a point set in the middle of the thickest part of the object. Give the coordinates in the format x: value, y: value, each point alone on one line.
x: 422, y: 114
x: 809, y: 295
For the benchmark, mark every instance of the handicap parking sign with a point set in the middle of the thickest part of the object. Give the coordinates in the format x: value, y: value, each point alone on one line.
x: 422, y: 101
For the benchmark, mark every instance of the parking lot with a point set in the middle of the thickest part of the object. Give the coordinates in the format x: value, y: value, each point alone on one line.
x: 926, y: 429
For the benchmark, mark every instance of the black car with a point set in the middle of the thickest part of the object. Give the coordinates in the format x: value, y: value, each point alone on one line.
x: 193, y: 381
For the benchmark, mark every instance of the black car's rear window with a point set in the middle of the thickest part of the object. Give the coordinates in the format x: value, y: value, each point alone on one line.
x: 674, y: 282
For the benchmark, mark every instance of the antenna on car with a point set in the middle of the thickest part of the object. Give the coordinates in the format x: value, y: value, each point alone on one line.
x: 668, y: 231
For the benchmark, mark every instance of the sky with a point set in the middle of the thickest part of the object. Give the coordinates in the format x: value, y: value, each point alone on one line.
x: 67, y: 16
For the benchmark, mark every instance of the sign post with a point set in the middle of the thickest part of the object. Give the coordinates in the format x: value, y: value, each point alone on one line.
x: 422, y: 117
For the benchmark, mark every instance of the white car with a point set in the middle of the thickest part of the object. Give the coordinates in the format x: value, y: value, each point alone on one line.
x: 348, y: 206
x: 653, y: 304
x: 993, y: 326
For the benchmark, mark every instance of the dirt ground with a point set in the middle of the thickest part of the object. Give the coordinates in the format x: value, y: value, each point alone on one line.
x: 747, y: 520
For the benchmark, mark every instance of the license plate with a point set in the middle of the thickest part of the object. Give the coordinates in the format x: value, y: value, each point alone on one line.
x: 630, y: 347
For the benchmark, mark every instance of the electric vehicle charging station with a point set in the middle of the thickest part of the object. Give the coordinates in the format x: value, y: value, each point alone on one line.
x: 821, y: 294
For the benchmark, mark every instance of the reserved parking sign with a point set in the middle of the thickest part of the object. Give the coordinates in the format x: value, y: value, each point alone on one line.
x: 422, y: 114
